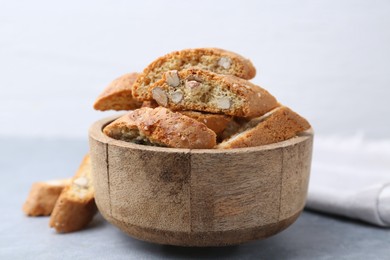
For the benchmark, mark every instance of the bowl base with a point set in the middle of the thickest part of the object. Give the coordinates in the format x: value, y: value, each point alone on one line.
x: 203, y: 239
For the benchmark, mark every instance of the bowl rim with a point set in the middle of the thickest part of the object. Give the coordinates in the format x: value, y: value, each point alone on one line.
x: 96, y: 132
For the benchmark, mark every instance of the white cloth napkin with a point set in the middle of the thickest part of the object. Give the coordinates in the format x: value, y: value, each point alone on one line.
x: 351, y: 177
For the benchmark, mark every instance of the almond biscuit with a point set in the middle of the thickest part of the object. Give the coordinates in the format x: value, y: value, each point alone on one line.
x: 206, y: 91
x: 76, y: 206
x: 118, y: 95
x: 161, y: 127
x: 43, y: 196
x: 212, y: 59
x: 216, y: 122
x: 278, y: 125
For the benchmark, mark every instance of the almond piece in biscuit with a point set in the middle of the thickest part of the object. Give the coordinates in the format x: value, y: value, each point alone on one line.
x: 212, y: 59
x: 43, y: 196
x: 76, y: 206
x: 206, y: 91
x: 278, y: 125
x: 118, y: 95
x: 161, y: 127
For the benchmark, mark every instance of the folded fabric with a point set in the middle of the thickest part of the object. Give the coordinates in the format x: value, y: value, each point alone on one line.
x: 351, y: 177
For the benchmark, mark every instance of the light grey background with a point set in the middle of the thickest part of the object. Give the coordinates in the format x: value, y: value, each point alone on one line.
x: 328, y: 60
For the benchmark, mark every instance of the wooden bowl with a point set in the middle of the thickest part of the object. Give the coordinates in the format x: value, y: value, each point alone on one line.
x: 204, y: 197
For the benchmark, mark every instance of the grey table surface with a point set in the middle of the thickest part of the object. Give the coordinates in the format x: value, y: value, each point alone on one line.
x: 23, y: 161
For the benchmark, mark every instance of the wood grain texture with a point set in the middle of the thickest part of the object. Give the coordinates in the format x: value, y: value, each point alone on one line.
x: 296, y: 172
x: 204, y: 197
x: 149, y: 192
x: 233, y: 191
x: 100, y: 176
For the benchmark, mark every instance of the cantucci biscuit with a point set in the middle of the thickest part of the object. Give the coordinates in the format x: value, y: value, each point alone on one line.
x: 76, y: 206
x: 118, y: 95
x: 43, y: 196
x: 212, y: 59
x: 278, y: 125
x: 205, y: 91
x: 216, y: 122
x: 161, y: 127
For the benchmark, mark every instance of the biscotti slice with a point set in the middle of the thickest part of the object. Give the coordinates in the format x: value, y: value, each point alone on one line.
x: 118, y: 95
x: 215, y: 122
x: 278, y: 125
x: 43, y: 196
x: 161, y: 127
x: 125, y: 128
x: 201, y: 90
x: 212, y: 59
x: 76, y: 206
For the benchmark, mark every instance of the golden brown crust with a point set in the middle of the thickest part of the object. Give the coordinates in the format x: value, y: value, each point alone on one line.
x: 210, y: 92
x: 43, y: 196
x: 151, y: 104
x: 213, y: 59
x: 118, y: 95
x: 75, y: 207
x: 215, y: 122
x: 280, y: 124
x: 124, y: 129
x: 161, y: 126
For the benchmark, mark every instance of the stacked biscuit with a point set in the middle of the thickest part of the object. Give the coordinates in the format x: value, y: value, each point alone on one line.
x: 70, y: 203
x: 197, y: 99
